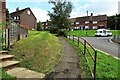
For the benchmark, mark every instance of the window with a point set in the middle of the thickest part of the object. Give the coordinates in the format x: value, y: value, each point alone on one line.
x: 86, y: 22
x: 28, y: 12
x: 18, y: 17
x: 15, y: 17
x: 94, y: 22
x: 77, y: 23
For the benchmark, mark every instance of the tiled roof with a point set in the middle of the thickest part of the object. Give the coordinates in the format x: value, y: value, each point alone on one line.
x: 24, y: 26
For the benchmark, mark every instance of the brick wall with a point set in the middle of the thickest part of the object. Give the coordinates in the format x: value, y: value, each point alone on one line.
x: 2, y: 11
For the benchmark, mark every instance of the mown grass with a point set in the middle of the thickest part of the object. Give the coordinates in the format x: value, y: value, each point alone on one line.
x: 40, y: 51
x: 5, y: 76
x: 107, y: 66
x: 91, y: 33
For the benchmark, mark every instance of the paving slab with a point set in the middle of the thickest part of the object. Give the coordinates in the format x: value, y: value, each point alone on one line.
x: 5, y: 56
x: 21, y: 73
x: 8, y: 63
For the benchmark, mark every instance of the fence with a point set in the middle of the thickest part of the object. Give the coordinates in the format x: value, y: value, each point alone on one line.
x: 86, y: 46
x: 12, y: 33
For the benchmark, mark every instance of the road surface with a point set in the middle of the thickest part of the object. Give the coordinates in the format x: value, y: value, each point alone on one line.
x: 103, y: 44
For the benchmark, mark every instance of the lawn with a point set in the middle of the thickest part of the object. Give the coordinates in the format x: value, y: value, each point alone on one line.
x: 40, y: 51
x: 107, y: 66
x: 90, y: 32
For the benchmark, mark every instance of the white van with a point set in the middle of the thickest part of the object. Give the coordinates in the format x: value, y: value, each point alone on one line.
x: 103, y: 32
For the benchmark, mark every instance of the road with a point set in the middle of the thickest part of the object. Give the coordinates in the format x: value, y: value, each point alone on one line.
x: 103, y: 44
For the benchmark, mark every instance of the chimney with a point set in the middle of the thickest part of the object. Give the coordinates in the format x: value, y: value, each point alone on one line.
x: 91, y: 14
x: 17, y: 9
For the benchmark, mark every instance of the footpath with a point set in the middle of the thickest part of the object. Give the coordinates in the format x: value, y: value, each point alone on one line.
x: 68, y: 67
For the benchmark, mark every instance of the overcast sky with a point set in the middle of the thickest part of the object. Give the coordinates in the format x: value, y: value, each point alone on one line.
x: 80, y: 7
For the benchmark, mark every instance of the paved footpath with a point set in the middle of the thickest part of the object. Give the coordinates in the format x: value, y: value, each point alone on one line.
x: 68, y: 67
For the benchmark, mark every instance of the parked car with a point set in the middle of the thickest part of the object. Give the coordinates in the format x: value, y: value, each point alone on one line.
x: 103, y: 32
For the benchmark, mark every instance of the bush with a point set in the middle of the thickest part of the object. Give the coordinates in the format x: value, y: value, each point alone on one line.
x: 53, y: 30
x: 62, y: 33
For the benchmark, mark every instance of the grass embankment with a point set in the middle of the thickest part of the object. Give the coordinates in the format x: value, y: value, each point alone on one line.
x: 107, y: 66
x: 89, y: 32
x: 5, y: 76
x: 40, y: 51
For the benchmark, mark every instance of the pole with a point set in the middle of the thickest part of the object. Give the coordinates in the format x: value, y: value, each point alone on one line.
x: 95, y: 57
x: 84, y: 47
x: 78, y: 41
x: 73, y: 38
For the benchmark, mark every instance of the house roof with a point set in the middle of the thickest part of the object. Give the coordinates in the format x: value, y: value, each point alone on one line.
x: 87, y: 18
x: 21, y: 11
x: 24, y: 26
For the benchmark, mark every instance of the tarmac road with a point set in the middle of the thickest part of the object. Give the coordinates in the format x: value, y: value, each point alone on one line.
x: 103, y: 44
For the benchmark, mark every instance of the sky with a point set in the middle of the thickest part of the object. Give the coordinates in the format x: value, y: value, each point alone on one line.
x: 40, y: 8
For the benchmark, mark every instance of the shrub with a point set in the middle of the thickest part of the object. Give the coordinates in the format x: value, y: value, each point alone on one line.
x: 62, y: 32
x: 53, y: 30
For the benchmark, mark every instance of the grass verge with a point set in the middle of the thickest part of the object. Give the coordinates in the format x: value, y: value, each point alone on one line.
x: 40, y: 51
x: 107, y: 66
x: 89, y: 32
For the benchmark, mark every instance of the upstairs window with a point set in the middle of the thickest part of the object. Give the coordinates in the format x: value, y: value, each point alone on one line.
x: 28, y: 12
x: 95, y: 22
x: 77, y: 23
x: 86, y: 22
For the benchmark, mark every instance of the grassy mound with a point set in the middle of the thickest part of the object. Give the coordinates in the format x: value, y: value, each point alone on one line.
x: 40, y: 51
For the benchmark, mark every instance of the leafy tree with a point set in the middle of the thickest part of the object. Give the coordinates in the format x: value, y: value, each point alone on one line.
x: 61, y: 13
x: 114, y: 22
x: 39, y: 26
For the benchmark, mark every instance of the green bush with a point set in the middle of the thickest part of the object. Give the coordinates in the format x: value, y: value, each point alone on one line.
x: 53, y: 30
x: 62, y: 33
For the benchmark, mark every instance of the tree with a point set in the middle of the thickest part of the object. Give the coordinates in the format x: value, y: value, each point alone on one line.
x: 7, y: 14
x: 113, y: 22
x: 61, y: 13
x: 39, y: 26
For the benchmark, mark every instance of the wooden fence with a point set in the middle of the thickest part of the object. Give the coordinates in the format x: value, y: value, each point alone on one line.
x: 87, y: 45
x: 12, y: 33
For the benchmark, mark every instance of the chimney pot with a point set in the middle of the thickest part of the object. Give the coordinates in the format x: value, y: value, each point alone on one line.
x: 17, y: 9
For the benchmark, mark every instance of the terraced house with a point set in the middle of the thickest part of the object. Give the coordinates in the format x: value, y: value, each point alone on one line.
x: 25, y: 17
x: 85, y: 22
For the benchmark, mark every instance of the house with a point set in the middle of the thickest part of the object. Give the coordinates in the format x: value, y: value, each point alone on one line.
x: 85, y: 22
x: 25, y: 17
x: 89, y: 22
x: 2, y: 11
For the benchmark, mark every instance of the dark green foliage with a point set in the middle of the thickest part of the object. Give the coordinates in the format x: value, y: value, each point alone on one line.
x: 39, y: 26
x: 53, y: 30
x: 113, y: 22
x: 62, y: 33
x: 7, y: 14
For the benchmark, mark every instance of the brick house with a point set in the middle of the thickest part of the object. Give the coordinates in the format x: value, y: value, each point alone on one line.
x: 89, y: 22
x: 25, y: 17
x: 86, y: 22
